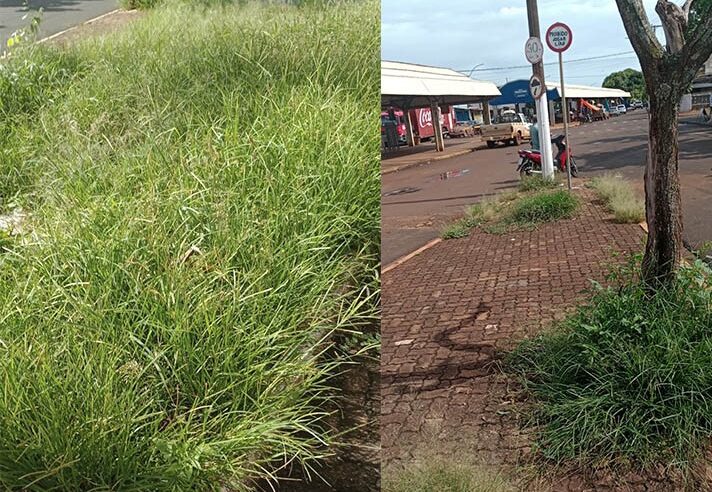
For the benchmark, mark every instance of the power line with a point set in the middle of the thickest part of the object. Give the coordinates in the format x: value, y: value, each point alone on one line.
x: 612, y: 55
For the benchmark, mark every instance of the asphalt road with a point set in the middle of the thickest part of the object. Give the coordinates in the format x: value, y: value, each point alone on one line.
x: 417, y: 202
x: 58, y: 15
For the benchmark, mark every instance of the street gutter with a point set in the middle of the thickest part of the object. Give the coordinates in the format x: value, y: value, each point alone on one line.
x: 61, y: 33
x: 428, y: 161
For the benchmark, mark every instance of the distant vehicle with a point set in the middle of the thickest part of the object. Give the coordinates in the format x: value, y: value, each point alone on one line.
x: 601, y: 114
x: 613, y: 111
x: 511, y: 128
x: 622, y: 109
x: 400, y: 125
x: 636, y: 104
x: 422, y: 122
x: 464, y: 129
x: 424, y: 130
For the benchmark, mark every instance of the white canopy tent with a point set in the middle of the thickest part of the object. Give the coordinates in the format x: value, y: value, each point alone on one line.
x: 587, y: 92
x: 407, y: 86
x: 416, y: 86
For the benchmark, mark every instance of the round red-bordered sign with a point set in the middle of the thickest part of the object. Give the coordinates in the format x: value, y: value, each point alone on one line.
x: 559, y: 37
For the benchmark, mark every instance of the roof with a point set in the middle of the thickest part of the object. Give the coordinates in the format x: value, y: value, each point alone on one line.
x: 517, y: 91
x: 413, y: 86
x: 587, y: 92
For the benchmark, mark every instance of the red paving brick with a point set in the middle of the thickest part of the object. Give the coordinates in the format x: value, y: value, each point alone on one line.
x: 449, y: 313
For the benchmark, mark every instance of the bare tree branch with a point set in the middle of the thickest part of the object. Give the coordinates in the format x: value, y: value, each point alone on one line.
x: 674, y: 24
x: 686, y: 8
x: 639, y: 30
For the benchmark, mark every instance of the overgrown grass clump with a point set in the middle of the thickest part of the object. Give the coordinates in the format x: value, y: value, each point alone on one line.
x: 202, y: 217
x: 537, y: 183
x: 620, y: 199
x: 513, y: 211
x: 628, y: 378
x: 544, y: 207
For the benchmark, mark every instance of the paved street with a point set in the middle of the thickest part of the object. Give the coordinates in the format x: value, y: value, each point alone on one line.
x: 416, y: 202
x: 58, y: 15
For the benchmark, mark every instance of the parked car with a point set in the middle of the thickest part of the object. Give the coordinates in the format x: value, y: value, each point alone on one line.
x: 622, y: 109
x: 636, y: 104
x: 613, y: 111
x: 511, y: 128
x: 463, y: 129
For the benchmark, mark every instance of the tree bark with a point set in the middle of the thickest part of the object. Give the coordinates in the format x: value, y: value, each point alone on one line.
x: 668, y: 72
x: 663, y: 208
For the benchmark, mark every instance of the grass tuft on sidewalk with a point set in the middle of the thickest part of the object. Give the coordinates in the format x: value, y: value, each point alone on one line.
x: 620, y: 199
x: 439, y: 475
x: 628, y: 378
x: 508, y: 212
x: 202, y: 217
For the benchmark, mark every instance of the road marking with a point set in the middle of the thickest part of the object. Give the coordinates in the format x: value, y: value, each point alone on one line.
x: 49, y: 38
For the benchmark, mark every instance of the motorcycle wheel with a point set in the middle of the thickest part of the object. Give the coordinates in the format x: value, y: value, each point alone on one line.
x: 574, y: 169
x: 526, y: 171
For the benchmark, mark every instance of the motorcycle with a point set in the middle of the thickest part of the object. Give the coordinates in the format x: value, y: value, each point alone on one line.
x: 530, y: 160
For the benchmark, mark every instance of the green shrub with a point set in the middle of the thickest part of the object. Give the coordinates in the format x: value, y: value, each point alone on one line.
x: 544, y: 207
x: 204, y: 222
x: 628, y: 378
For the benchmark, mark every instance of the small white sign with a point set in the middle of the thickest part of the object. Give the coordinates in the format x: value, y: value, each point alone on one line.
x: 559, y: 37
x: 534, y: 50
x: 536, y: 87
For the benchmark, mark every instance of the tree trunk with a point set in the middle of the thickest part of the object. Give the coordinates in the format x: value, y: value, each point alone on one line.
x: 663, y: 209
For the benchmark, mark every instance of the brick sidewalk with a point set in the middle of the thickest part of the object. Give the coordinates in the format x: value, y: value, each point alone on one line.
x: 449, y: 312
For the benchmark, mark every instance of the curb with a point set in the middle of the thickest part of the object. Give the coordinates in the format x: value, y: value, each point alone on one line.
x: 87, y: 22
x: 69, y: 29
x: 428, y: 161
x: 696, y: 123
x: 407, y: 257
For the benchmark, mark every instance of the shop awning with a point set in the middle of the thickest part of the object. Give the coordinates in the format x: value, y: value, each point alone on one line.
x: 414, y: 86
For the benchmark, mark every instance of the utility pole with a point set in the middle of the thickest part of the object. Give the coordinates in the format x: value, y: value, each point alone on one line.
x: 542, y: 105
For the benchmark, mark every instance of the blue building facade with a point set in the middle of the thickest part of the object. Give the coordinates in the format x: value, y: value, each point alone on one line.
x: 517, y: 92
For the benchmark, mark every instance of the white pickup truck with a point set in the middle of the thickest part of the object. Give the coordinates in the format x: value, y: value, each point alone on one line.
x: 511, y: 128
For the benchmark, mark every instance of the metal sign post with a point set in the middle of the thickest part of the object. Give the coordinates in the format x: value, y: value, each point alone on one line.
x: 533, y: 52
x: 559, y: 37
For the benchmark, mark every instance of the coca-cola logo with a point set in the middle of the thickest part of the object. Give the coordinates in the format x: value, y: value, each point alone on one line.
x: 426, y: 118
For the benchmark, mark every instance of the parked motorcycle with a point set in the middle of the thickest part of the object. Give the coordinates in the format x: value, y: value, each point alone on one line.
x: 530, y: 160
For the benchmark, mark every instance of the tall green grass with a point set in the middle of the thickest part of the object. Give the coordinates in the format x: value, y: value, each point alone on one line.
x: 628, y: 378
x: 203, y: 198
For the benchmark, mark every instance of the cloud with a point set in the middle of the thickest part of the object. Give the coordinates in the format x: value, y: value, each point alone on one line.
x: 512, y: 10
x: 461, y: 35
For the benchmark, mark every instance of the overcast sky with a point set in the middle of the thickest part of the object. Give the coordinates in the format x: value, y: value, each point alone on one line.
x: 460, y: 34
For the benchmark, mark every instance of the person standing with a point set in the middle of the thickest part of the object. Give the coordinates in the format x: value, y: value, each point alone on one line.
x: 534, y: 135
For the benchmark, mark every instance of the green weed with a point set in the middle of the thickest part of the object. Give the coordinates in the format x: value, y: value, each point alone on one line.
x: 205, y: 219
x: 628, y: 378
x: 456, y: 231
x: 543, y: 207
x: 537, y: 183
